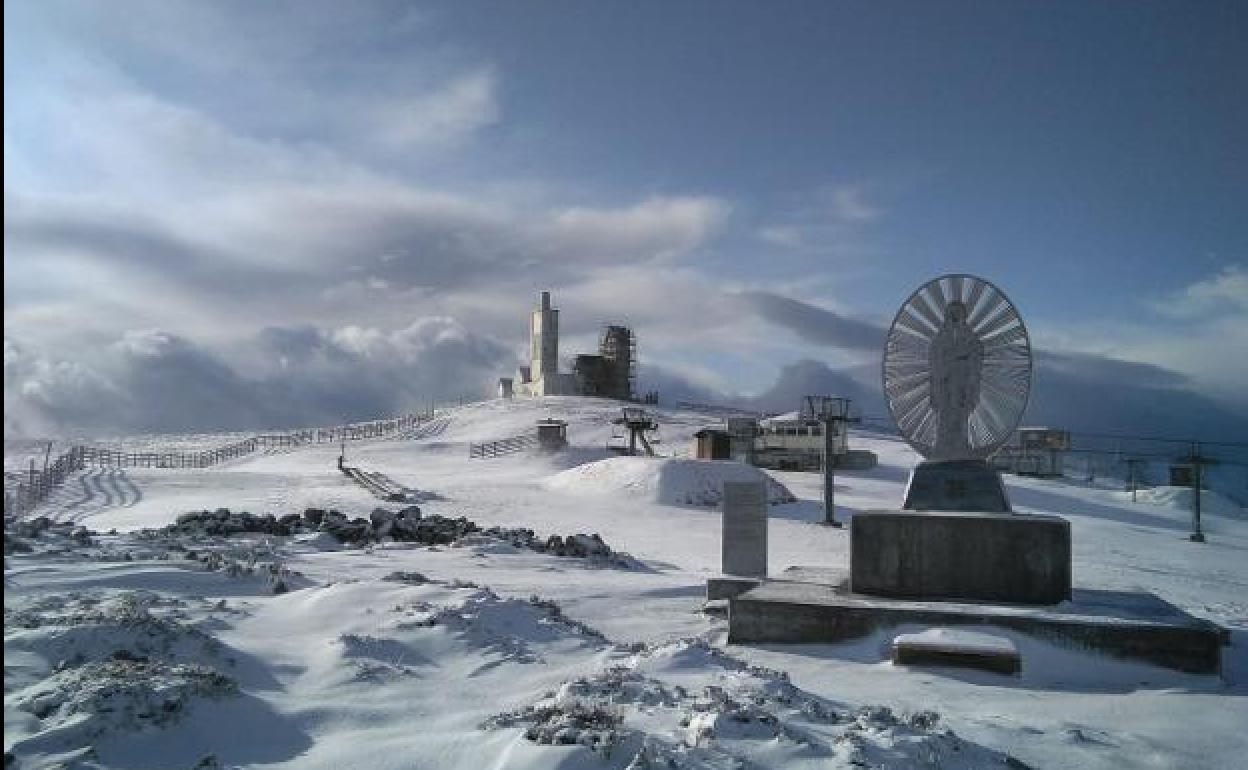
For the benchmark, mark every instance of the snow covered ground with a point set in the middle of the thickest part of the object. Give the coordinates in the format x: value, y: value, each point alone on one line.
x: 137, y: 651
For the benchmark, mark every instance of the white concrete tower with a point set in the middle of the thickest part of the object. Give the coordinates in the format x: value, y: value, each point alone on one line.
x: 544, y: 342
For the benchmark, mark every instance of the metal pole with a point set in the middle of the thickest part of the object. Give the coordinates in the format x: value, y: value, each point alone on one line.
x: 1197, y: 536
x: 829, y: 480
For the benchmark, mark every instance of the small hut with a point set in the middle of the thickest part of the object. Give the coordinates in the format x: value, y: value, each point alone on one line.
x: 713, y: 444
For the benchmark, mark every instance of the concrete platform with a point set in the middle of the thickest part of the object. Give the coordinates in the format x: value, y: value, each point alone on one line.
x: 997, y: 557
x: 807, y: 605
x: 730, y: 586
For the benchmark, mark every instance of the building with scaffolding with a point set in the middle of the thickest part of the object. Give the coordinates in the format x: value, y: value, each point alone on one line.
x: 610, y: 373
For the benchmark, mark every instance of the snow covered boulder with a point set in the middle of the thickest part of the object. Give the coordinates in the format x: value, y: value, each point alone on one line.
x: 664, y: 480
x: 579, y: 546
x: 403, y: 524
x: 223, y: 523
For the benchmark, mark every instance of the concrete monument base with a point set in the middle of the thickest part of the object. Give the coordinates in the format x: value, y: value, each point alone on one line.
x: 730, y: 586
x: 1017, y: 558
x: 955, y: 485
x: 810, y: 605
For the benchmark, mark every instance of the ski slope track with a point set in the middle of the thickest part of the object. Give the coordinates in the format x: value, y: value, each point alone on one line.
x: 130, y: 648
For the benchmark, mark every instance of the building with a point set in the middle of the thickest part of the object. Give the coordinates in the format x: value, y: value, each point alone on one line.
x: 610, y: 373
x: 552, y: 435
x: 713, y: 444
x: 791, y: 443
x: 542, y: 377
x: 743, y: 431
x: 1037, y: 451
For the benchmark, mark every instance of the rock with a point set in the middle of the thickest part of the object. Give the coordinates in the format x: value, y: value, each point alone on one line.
x: 313, y: 516
x: 32, y: 527
x: 356, y: 531
x: 586, y: 546
x: 402, y: 576
x: 382, y: 521
x: 222, y: 522
x: 14, y: 544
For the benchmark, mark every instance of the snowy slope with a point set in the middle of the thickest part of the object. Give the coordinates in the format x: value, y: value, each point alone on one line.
x: 455, y: 667
x: 664, y: 480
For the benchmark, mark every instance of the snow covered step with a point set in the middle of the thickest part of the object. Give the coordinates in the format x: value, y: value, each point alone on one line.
x: 955, y: 647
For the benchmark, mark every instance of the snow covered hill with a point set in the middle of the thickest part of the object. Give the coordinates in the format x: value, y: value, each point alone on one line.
x: 668, y: 481
x: 180, y: 650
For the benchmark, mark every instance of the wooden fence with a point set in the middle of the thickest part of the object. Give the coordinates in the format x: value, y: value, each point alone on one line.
x: 502, y: 446
x: 36, y: 484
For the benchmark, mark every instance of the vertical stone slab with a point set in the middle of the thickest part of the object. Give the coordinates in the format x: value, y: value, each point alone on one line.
x: 745, y: 529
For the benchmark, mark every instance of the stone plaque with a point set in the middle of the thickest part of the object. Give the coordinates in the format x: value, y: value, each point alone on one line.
x: 745, y: 528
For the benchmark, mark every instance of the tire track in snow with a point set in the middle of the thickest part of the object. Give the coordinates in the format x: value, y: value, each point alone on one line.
x: 85, y: 495
x: 98, y: 482
x: 116, y: 496
x: 130, y: 493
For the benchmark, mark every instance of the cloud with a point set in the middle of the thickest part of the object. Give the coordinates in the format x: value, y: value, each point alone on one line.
x: 447, y: 116
x: 301, y: 254
x: 157, y: 382
x: 1081, y: 391
x: 848, y: 204
x: 655, y: 228
x: 813, y: 323
x: 1190, y: 330
x: 1076, y: 367
x: 830, y: 218
x: 1225, y: 293
x: 787, y: 236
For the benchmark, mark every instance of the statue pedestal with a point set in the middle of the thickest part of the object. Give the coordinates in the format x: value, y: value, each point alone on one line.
x: 995, y: 557
x: 957, y: 485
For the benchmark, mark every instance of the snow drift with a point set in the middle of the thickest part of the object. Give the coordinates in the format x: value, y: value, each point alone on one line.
x: 1180, y: 498
x: 664, y: 480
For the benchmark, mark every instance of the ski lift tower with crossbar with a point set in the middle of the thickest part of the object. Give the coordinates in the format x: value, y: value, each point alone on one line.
x: 833, y: 414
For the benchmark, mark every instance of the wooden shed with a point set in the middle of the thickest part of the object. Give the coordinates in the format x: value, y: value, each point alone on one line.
x: 713, y: 444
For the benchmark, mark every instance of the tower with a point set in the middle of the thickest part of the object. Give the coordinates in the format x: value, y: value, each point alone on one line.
x: 618, y: 347
x: 544, y: 341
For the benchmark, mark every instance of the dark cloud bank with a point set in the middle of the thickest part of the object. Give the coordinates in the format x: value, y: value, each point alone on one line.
x: 1082, y: 392
x: 154, y: 382
x: 297, y: 376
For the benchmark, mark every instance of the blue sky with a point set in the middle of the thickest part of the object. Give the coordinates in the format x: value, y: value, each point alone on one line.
x: 287, y: 198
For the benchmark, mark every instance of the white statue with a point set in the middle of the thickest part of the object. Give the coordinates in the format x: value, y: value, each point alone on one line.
x: 957, y: 369
x: 956, y: 359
